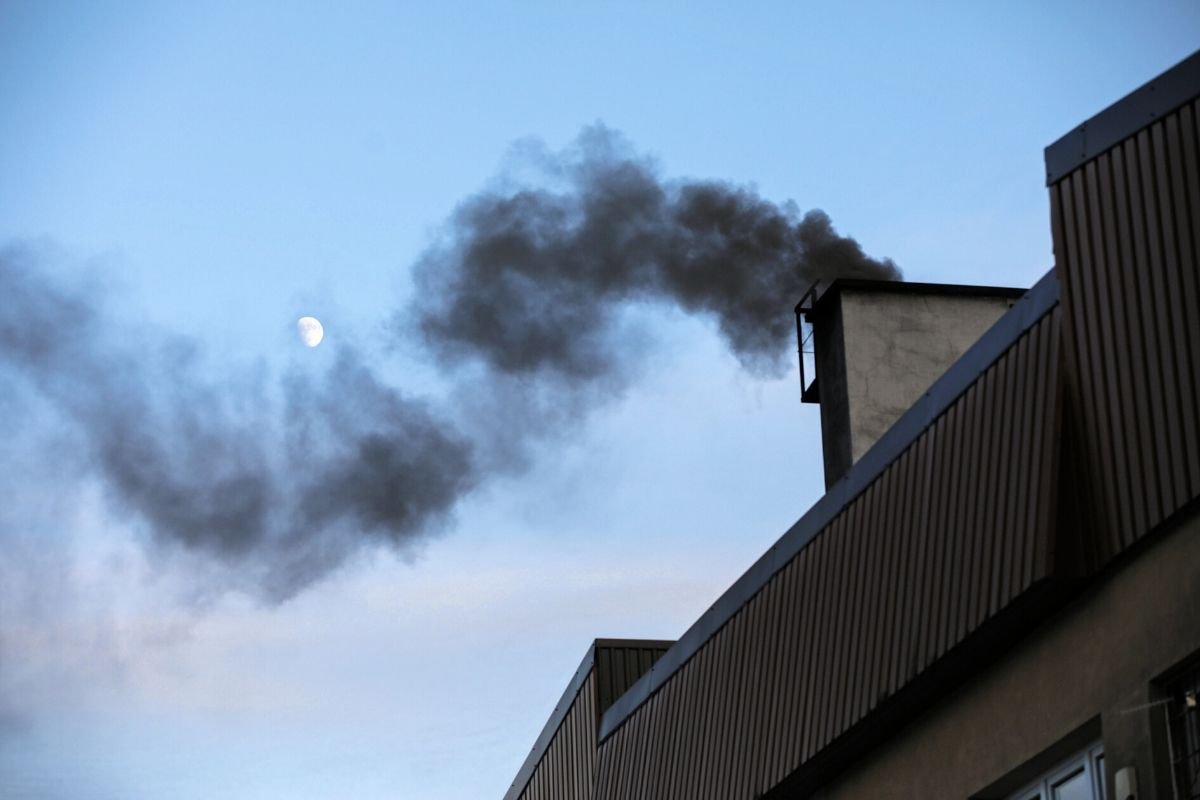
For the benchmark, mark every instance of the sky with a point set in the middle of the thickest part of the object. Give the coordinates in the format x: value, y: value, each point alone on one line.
x: 180, y: 182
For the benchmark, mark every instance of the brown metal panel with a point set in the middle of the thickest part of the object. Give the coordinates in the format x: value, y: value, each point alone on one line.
x: 744, y: 676
x: 735, y: 684
x: 587, y: 779
x: 1000, y: 487
x: 1017, y: 498
x: 841, y: 568
x: 1136, y: 356
x: 917, y: 573
x: 950, y: 488
x: 1186, y: 211
x: 881, y: 582
x: 792, y: 709
x: 711, y: 722
x: 1095, y: 420
x: 822, y: 607
x: 767, y: 732
x: 930, y: 588
x: 668, y: 732
x: 816, y: 596
x: 973, y: 411
x: 1103, y: 428
x: 709, y: 703
x: 875, y: 678
x: 1154, y: 268
x: 1083, y: 413
x: 632, y: 737
x: 766, y: 678
x: 1026, y: 454
x: 762, y: 679
x: 1187, y: 175
x: 656, y: 784
x: 978, y: 541
x: 826, y: 637
x: 922, y: 589
x: 731, y: 750
x: 1126, y: 458
x: 1122, y: 383
x: 787, y: 682
x: 878, y: 539
x: 967, y: 500
x: 951, y: 541
x: 636, y: 766
x: 604, y: 768
x: 1167, y: 163
x: 801, y: 647
x: 894, y: 551
x: 996, y: 501
x: 842, y: 686
x: 1015, y: 419
x: 844, y: 675
x: 1141, y: 309
x: 609, y: 767
x: 909, y: 567
x: 1041, y: 438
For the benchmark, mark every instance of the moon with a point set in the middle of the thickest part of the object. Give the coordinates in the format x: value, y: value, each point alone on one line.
x: 310, y: 330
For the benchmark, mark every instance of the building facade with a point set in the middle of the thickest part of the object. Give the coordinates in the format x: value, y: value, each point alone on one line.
x: 1000, y: 596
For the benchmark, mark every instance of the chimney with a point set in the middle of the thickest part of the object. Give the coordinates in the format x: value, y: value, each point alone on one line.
x: 869, y: 350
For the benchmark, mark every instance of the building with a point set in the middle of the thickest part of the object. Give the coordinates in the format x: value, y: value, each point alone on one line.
x: 999, y: 594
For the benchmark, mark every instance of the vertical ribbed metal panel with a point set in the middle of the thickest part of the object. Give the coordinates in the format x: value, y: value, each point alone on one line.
x: 1125, y: 243
x: 944, y: 538
x: 619, y: 663
x: 567, y: 766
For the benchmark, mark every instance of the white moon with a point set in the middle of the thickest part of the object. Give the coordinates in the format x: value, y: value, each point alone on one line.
x: 310, y: 330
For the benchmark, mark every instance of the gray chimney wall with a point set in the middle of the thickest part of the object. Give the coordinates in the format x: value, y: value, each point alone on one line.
x: 878, y: 345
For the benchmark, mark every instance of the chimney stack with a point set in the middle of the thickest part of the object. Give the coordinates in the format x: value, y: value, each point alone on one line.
x: 869, y: 349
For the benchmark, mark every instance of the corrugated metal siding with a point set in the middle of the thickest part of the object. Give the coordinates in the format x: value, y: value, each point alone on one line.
x: 1125, y: 228
x: 565, y: 768
x: 619, y: 663
x: 946, y: 536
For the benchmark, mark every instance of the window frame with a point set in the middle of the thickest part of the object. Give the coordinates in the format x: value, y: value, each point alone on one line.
x: 1090, y: 761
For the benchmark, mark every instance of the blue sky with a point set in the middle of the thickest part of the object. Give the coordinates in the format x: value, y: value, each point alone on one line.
x: 221, y: 169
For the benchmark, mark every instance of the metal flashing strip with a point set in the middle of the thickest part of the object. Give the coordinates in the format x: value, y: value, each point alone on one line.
x: 1122, y: 119
x: 551, y: 727
x: 822, y: 295
x: 1034, y: 305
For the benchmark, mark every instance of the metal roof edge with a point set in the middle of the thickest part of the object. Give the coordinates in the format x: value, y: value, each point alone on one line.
x: 551, y: 727
x: 643, y: 644
x: 1150, y: 101
x: 1034, y: 305
x: 914, y: 287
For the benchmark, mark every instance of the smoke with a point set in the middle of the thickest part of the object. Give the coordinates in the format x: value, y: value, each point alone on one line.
x: 520, y: 301
x: 277, y: 499
x: 530, y: 280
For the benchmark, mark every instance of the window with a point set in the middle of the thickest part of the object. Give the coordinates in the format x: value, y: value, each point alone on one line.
x: 1183, y: 721
x: 1080, y: 777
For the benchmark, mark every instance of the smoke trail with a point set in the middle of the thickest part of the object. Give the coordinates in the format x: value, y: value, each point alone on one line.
x: 529, y: 279
x: 277, y: 500
x: 521, y: 300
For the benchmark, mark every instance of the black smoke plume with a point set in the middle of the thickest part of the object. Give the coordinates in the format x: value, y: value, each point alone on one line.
x: 530, y: 280
x: 520, y: 299
x: 276, y: 499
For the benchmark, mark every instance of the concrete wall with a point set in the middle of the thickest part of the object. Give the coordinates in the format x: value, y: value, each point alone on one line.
x: 896, y: 345
x: 1091, y: 668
